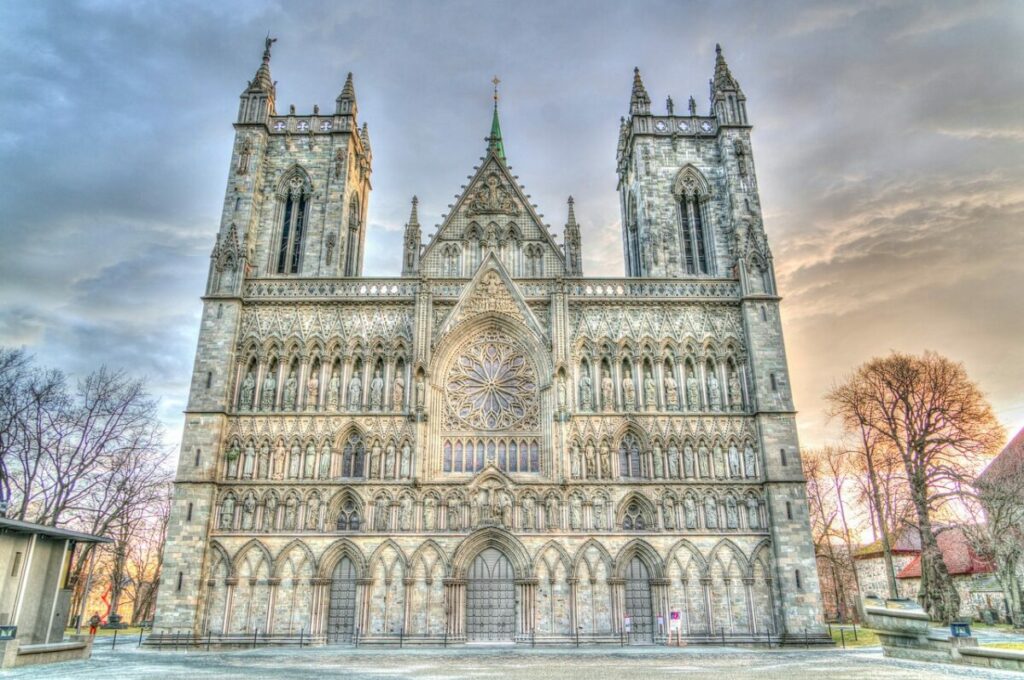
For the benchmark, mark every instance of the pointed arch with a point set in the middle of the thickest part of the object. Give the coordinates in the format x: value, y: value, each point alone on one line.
x: 338, y: 550
x: 377, y: 556
x: 563, y: 556
x: 684, y: 546
x: 633, y: 506
x: 221, y: 557
x: 726, y: 545
x: 243, y: 552
x: 690, y: 181
x: 648, y: 555
x: 581, y: 557
x: 425, y: 548
x: 282, y: 557
x: 491, y: 537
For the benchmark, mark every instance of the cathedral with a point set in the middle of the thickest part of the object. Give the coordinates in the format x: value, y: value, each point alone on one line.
x: 490, y: 446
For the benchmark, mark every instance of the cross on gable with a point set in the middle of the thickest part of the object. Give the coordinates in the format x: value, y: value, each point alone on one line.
x: 303, y: 126
x: 279, y: 125
x: 325, y: 126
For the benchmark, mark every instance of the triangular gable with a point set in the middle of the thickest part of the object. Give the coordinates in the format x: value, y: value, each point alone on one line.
x: 492, y: 291
x: 484, y: 198
x: 491, y: 473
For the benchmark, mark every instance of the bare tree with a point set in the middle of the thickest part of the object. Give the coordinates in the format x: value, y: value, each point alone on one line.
x: 928, y: 412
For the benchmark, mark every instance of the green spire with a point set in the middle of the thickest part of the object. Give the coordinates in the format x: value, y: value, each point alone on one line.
x: 494, y: 142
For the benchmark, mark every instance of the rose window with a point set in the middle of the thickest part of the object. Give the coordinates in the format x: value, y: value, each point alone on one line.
x: 492, y: 386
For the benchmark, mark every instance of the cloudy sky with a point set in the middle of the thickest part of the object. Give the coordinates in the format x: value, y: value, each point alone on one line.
x: 889, y: 140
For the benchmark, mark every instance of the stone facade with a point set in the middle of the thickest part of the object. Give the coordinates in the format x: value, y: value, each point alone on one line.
x: 490, y: 446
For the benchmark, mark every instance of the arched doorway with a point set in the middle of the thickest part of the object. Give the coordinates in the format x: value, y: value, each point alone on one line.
x: 341, y: 616
x: 638, y: 601
x: 491, y: 597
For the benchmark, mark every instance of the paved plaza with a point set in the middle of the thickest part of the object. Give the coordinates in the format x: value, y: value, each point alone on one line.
x: 535, y: 664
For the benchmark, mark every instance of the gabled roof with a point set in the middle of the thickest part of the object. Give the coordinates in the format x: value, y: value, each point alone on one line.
x: 17, y: 526
x: 1010, y: 461
x: 956, y: 551
x: 494, y: 161
x: 492, y: 290
x: 906, y: 542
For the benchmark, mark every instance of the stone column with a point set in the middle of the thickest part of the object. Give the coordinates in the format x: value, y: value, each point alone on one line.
x: 261, y: 371
x: 229, y: 597
x: 272, y: 588
x: 705, y: 584
x: 573, y: 606
x: 409, y: 583
x: 367, y: 377
x: 527, y: 596
x: 300, y: 386
x: 389, y: 371
x: 749, y: 602
x: 347, y: 363
x: 322, y: 601
x: 454, y: 607
x: 659, y: 597
x: 638, y: 384
x: 658, y: 375
x: 364, y: 588
x: 617, y: 586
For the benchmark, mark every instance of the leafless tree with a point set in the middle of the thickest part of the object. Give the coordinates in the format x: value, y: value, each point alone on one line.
x: 928, y: 412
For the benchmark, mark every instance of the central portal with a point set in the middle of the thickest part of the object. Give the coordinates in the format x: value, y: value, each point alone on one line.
x: 491, y: 598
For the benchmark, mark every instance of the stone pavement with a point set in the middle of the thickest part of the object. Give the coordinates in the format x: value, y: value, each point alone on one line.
x: 533, y: 664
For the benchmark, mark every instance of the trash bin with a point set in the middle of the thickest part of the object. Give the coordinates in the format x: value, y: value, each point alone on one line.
x: 960, y: 629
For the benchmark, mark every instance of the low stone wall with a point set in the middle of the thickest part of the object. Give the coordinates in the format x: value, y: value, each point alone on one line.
x: 13, y: 654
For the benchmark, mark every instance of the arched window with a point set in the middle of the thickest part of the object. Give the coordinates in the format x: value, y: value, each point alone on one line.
x: 293, y: 225
x: 348, y: 517
x: 633, y: 520
x: 352, y: 242
x: 629, y: 457
x: 691, y: 189
x: 352, y: 457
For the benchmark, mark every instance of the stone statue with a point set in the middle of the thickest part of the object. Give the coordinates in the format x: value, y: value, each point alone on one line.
x: 574, y: 461
x: 398, y: 394
x: 551, y: 513
x: 333, y: 388
x: 689, y: 465
x: 483, y: 506
x: 673, y: 461
x: 650, y: 393
x: 576, y: 513
x: 606, y: 461
x: 295, y: 464
x: 598, y: 511
x: 671, y: 392
x: 232, y: 457
x: 735, y: 394
x: 528, y: 512
x: 313, y: 513
x: 406, y: 468
x: 734, y: 461
x: 380, y: 514
x: 291, y: 386
x: 505, y: 507
x: 703, y: 458
x: 325, y: 461
x: 732, y: 519
x: 291, y: 508
x: 692, y: 395
x: 453, y: 515
x: 355, y: 392
x: 750, y: 461
x: 249, y: 461
x: 628, y: 393
x: 669, y: 510
x: 310, y: 466
x: 405, y: 514
x: 714, y: 394
x: 710, y: 512
x: 560, y: 389
x: 590, y: 459
x: 269, y: 391
x: 420, y: 387
x: 263, y: 469
x: 428, y: 514
x: 376, y: 391
x: 753, y: 516
x: 312, y: 390
x: 607, y: 393
x: 720, y: 471
x: 375, y: 455
x: 279, y: 461
x: 227, y: 512
x: 586, y: 393
x: 248, y: 390
x: 389, y: 462
x: 269, y: 512
x: 659, y: 464
x: 690, y: 511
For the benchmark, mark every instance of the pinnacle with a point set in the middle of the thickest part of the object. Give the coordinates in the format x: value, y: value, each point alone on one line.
x: 639, y: 101
x: 572, y: 212
x: 413, y: 215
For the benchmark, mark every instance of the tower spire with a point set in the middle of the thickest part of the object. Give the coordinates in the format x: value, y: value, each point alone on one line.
x: 639, y: 101
x: 258, y: 96
x: 573, y: 259
x: 346, y: 101
x: 412, y: 245
x: 728, y: 102
x: 494, y: 142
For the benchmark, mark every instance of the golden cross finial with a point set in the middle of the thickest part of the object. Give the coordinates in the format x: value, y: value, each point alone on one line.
x: 496, y: 81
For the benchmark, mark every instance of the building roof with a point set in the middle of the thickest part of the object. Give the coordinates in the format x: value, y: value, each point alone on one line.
x: 19, y: 527
x: 1009, y: 461
x: 956, y: 550
x: 906, y: 542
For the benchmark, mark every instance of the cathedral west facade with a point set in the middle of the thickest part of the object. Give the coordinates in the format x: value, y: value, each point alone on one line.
x: 490, y: 446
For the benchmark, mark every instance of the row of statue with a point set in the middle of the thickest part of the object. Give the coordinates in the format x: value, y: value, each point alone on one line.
x: 385, y: 462
x: 247, y: 399
x: 713, y: 397
x: 489, y: 507
x: 591, y: 462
